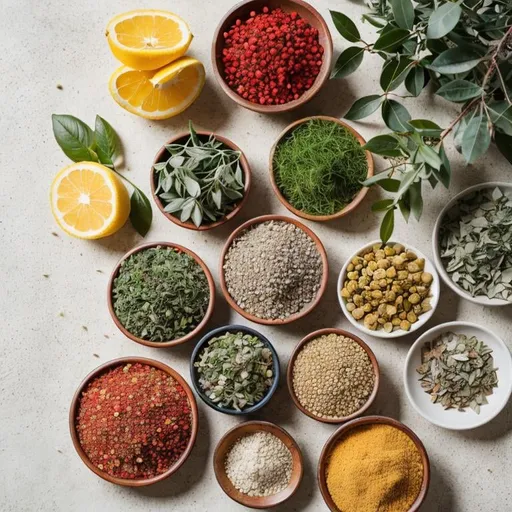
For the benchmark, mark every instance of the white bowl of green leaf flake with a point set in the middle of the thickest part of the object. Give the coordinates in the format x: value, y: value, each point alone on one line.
x: 472, y: 244
x: 458, y: 375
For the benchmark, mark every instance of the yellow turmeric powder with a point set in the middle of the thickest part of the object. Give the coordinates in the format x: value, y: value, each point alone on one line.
x: 375, y: 468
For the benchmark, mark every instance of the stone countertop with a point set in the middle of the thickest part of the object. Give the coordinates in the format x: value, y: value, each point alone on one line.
x: 56, y: 329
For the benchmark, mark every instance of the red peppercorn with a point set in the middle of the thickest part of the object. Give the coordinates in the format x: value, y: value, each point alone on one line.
x: 273, y: 57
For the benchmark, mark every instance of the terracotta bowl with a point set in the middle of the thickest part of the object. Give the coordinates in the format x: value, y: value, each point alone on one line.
x: 358, y: 197
x: 169, y: 343
x: 241, y: 11
x: 225, y: 444
x: 73, y: 413
x: 371, y: 420
x: 359, y: 341
x: 163, y: 155
x: 323, y: 285
x: 195, y: 376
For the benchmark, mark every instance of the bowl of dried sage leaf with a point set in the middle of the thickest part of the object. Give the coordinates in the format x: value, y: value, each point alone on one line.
x: 472, y: 244
x: 458, y: 375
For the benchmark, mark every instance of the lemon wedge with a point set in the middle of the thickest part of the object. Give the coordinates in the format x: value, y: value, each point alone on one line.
x: 161, y: 94
x: 148, y: 39
x: 89, y: 201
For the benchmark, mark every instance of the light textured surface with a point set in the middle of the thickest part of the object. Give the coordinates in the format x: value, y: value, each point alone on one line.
x: 44, y: 356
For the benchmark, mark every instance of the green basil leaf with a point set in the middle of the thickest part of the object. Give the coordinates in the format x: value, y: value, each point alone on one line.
x: 384, y: 145
x: 108, y: 146
x: 443, y: 174
x: 197, y: 215
x: 501, y: 116
x: 348, y: 62
x: 387, y: 226
x: 443, y: 20
x: 394, y: 73
x: 395, y: 116
x: 455, y: 60
x: 403, y: 11
x: 504, y: 143
x: 141, y: 214
x: 363, y: 107
x: 74, y: 137
x: 192, y: 186
x: 426, y: 128
x: 382, y: 205
x: 391, y: 40
x: 459, y: 90
x: 416, y: 199
x: 345, y: 26
x: 476, y: 139
x: 415, y: 80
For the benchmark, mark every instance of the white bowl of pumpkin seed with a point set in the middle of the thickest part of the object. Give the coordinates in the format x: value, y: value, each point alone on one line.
x: 472, y: 244
x: 388, y: 290
x: 458, y: 375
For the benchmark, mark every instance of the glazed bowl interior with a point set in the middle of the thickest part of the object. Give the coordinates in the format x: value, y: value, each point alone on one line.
x: 170, y: 343
x: 452, y: 418
x: 75, y: 405
x: 195, y: 375
x: 163, y: 155
x: 223, y: 448
x: 483, y: 300
x: 366, y: 421
x: 435, y: 291
x: 325, y: 270
x: 284, y: 135
x: 361, y: 343
x: 242, y: 11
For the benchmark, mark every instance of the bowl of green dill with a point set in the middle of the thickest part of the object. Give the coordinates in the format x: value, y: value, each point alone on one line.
x: 317, y: 167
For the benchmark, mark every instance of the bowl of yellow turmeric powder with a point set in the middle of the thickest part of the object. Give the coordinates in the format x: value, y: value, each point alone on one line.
x: 374, y: 463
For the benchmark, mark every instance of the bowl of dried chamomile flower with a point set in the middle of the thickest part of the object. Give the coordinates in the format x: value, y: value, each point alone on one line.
x: 458, y: 375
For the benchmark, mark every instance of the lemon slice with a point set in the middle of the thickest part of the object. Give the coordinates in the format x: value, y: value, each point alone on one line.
x: 147, y: 38
x: 161, y: 94
x: 89, y: 201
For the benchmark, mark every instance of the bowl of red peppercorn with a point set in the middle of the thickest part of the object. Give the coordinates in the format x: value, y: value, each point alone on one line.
x: 133, y: 421
x: 272, y: 56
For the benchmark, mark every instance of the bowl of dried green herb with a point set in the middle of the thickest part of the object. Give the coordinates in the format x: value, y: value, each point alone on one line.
x: 200, y: 180
x: 235, y: 369
x: 317, y: 166
x: 472, y: 244
x: 458, y: 375
x: 161, y: 294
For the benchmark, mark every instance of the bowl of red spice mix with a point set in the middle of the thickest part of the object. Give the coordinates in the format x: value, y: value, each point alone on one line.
x: 133, y: 421
x: 272, y: 56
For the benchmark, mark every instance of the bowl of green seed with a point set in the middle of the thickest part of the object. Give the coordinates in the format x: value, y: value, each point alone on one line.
x: 235, y: 369
x: 458, y: 375
x: 200, y: 180
x: 472, y: 244
x: 317, y: 166
x: 161, y: 294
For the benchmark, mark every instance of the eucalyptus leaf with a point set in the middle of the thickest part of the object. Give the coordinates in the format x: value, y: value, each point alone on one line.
x: 387, y: 226
x: 391, y: 40
x: 455, y: 60
x: 348, y: 62
x: 443, y: 20
x: 389, y: 184
x: 394, y: 73
x: 384, y: 145
x: 345, y: 26
x: 459, y: 90
x: 403, y: 11
x: 382, y: 205
x: 429, y: 156
x: 501, y: 116
x: 504, y: 143
x: 425, y: 127
x: 74, y: 137
x: 476, y: 139
x: 395, y: 116
x: 416, y: 200
x: 415, y: 80
x: 363, y: 107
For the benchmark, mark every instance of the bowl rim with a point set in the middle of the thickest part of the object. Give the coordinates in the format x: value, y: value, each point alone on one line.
x: 372, y: 420
x: 244, y: 164
x: 443, y: 328
x: 323, y: 332
x: 358, y: 198
x: 103, y: 368
x: 381, y: 333
x: 191, y: 334
x: 319, y: 246
x: 275, y: 368
x: 264, y: 426
x: 321, y: 79
x: 482, y: 300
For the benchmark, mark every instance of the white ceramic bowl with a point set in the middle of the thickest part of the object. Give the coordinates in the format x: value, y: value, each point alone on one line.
x: 451, y: 418
x: 479, y: 299
x: 422, y: 319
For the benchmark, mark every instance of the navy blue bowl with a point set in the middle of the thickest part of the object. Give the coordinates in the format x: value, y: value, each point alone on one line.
x: 195, y: 377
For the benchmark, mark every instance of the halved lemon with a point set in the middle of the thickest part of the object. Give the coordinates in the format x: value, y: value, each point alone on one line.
x: 161, y: 94
x: 89, y: 201
x: 147, y: 38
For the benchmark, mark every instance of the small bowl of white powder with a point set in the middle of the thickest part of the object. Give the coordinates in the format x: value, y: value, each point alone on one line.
x: 258, y: 464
